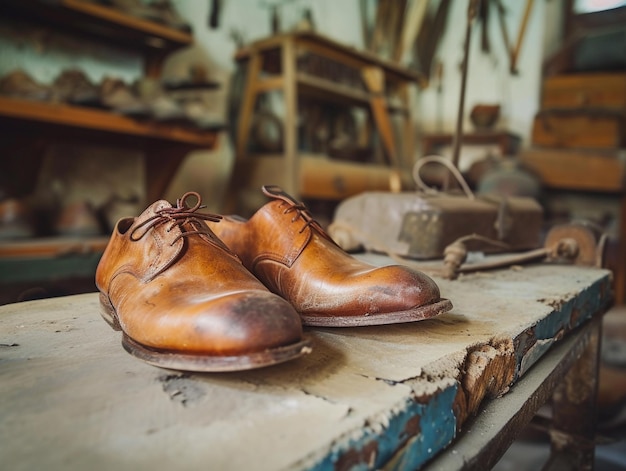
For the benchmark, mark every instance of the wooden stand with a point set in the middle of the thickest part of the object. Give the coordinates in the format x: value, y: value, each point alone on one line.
x: 276, y: 64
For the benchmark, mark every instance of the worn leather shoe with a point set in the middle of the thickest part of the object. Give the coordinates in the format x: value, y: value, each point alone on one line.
x: 184, y: 301
x: 285, y: 248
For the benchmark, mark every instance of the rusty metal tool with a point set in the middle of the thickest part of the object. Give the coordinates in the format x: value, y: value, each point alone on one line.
x: 578, y: 243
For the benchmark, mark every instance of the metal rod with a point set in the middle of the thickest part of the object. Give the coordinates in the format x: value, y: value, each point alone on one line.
x: 458, y: 135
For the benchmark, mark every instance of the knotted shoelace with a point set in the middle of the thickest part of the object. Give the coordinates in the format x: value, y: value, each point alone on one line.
x: 179, y: 215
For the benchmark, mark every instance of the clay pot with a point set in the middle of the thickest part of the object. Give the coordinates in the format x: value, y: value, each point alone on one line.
x: 484, y: 116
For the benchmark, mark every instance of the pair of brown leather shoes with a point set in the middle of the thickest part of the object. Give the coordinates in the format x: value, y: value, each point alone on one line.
x: 199, y: 292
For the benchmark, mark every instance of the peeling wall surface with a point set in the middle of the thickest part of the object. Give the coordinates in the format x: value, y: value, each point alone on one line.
x: 365, y: 398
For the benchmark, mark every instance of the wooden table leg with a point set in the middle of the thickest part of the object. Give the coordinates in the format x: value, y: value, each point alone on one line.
x: 574, y: 410
x: 246, y: 111
x: 292, y: 169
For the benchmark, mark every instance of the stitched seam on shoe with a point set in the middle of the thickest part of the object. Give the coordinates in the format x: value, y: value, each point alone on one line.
x: 273, y: 257
x: 153, y: 270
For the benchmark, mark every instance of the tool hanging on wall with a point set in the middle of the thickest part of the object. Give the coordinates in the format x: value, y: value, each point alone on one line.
x: 275, y: 14
x: 412, y: 24
x: 513, y: 50
x: 502, y: 22
x: 386, y: 38
x: 214, y: 13
x: 439, y: 88
x: 485, y: 43
x: 429, y: 37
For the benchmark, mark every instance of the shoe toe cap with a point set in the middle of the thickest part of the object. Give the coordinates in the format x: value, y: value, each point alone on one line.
x: 232, y: 324
x: 416, y: 287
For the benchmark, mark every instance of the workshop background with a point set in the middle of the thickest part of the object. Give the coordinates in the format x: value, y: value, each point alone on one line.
x: 156, y: 117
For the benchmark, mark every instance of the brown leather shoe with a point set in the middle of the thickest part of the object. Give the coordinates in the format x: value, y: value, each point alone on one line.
x: 293, y: 256
x: 78, y: 219
x: 184, y: 301
x: 19, y: 84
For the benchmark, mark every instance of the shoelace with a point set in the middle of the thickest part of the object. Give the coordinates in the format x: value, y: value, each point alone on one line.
x: 178, y: 216
x: 301, y: 212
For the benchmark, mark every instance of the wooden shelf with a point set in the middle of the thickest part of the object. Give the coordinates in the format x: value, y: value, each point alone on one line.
x: 330, y: 91
x: 507, y: 142
x: 46, y: 261
x: 165, y: 145
x: 322, y: 177
x: 34, y: 125
x: 79, y: 118
x: 325, y: 89
x: 155, y: 33
x: 28, y: 128
x: 51, y: 247
x: 106, y: 22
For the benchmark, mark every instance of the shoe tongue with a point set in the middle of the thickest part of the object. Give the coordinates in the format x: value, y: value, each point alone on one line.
x: 160, y: 255
x: 152, y: 210
x: 276, y: 192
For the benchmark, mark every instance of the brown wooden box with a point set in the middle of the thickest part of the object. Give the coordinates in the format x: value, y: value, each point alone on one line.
x: 604, y: 91
x: 578, y: 129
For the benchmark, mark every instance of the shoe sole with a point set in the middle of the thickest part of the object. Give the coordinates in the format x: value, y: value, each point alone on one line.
x: 411, y: 315
x: 215, y: 364
x: 198, y: 362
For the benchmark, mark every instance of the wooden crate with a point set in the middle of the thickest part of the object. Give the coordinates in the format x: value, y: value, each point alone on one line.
x: 583, y: 170
x: 604, y: 91
x: 578, y: 129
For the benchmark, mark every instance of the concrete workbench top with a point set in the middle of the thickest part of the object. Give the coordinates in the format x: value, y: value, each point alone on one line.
x: 72, y: 398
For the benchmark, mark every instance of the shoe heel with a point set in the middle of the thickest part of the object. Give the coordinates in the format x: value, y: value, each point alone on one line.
x: 107, y: 311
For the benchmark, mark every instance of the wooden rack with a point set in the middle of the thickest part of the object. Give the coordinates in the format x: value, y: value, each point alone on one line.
x: 165, y: 144
x: 28, y: 128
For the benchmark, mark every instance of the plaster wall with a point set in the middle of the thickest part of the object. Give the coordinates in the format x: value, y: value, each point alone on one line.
x: 44, y: 55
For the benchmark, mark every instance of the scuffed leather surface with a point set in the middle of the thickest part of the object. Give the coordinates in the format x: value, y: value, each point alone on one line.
x: 191, y: 294
x: 299, y: 261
